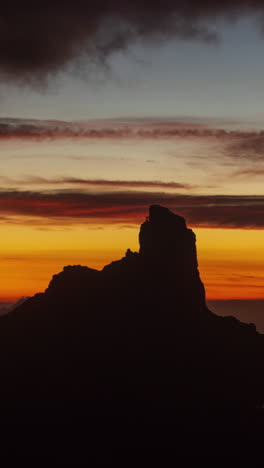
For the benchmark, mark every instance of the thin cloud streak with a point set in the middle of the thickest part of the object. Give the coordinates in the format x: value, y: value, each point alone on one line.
x: 252, y: 172
x: 137, y: 128
x: 233, y: 144
x: 245, y: 212
x: 32, y: 180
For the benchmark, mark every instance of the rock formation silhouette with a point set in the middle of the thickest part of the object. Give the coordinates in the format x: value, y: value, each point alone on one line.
x: 135, y: 340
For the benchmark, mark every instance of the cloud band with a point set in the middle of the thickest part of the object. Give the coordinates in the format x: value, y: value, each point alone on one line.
x: 62, y: 207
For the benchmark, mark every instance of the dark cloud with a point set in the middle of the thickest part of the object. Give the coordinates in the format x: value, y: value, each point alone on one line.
x: 39, y: 39
x: 130, y: 207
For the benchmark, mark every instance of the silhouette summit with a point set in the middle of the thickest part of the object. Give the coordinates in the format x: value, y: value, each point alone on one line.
x: 135, y: 339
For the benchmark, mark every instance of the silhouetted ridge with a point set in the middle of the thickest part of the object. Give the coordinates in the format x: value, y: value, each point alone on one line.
x: 136, y: 336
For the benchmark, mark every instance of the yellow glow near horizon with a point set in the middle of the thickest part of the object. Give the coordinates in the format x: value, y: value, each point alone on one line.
x: 231, y: 261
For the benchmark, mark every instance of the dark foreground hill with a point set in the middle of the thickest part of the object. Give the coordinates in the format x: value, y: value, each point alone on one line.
x: 133, y: 343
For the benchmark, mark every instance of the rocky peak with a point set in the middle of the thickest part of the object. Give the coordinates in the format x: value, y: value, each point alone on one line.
x: 161, y: 215
x: 168, y: 249
x: 164, y: 236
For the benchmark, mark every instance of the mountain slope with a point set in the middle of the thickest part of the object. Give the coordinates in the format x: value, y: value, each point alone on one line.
x: 136, y: 338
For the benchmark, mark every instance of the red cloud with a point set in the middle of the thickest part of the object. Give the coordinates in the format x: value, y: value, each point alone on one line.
x: 130, y: 207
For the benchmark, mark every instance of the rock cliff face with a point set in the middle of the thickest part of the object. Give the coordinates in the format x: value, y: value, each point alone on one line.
x: 168, y: 247
x: 136, y: 336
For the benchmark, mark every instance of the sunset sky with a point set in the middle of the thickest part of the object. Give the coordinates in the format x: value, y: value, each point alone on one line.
x: 89, y: 140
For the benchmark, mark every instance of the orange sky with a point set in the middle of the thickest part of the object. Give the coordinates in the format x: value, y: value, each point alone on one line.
x: 81, y: 200
x: 231, y: 261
